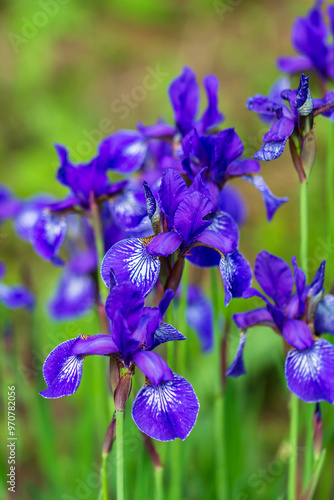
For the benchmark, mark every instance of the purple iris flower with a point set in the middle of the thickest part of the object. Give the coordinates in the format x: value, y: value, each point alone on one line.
x: 14, y: 297
x: 181, y: 220
x: 86, y: 182
x: 294, y: 123
x: 199, y: 314
x: 310, y: 37
x: 222, y: 154
x: 9, y: 205
x: 166, y: 407
x: 299, y: 317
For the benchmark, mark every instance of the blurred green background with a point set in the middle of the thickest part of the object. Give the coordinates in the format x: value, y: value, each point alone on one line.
x: 70, y: 74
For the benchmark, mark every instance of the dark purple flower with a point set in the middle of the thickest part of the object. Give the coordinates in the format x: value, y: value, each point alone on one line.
x: 15, y: 297
x: 299, y: 317
x: 182, y: 221
x: 199, y: 315
x: 310, y: 38
x: 221, y: 154
x: 166, y: 407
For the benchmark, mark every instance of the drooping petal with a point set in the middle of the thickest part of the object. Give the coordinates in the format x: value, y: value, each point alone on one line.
x: 199, y: 314
x: 263, y: 105
x: 184, y: 96
x: 164, y: 244
x: 280, y: 130
x: 310, y: 372
x: 188, y: 219
x: 28, y: 214
x: 128, y: 299
x: 324, y: 316
x: 236, y: 273
x: 232, y: 202
x: 75, y: 295
x: 165, y: 333
x: 260, y: 316
x: 15, y: 297
x: 153, y: 366
x: 297, y: 334
x: 100, y: 344
x: 271, y: 150
x: 48, y: 235
x: 242, y: 167
x: 128, y: 210
x: 275, y: 277
x: 168, y: 411
x: 62, y: 371
x: 130, y: 261
x: 271, y: 202
x: 237, y: 367
x: 124, y: 151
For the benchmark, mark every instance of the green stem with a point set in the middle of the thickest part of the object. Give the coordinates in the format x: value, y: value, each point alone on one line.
x: 104, y: 477
x: 158, y: 479
x: 219, y: 401
x: 120, y: 455
x: 294, y: 425
x: 329, y: 194
x: 304, y: 227
x: 182, y: 321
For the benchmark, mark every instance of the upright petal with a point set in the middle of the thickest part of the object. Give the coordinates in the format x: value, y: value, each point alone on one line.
x: 188, y: 219
x: 275, y: 277
x: 324, y: 316
x: 130, y: 261
x: 48, y: 235
x: 165, y: 301
x: 271, y: 202
x: 310, y: 372
x: 168, y: 411
x: 237, y: 367
x: 317, y: 284
x: 211, y: 116
x: 184, y: 96
x: 172, y: 191
x: 128, y: 299
x: 236, y: 273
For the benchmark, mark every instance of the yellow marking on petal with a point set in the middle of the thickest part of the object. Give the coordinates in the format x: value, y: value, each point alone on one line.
x: 84, y: 337
x: 147, y: 240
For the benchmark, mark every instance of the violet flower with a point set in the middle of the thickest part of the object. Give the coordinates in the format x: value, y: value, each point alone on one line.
x: 294, y: 123
x: 300, y: 317
x: 166, y: 407
x: 181, y: 221
x: 310, y: 37
x: 14, y: 297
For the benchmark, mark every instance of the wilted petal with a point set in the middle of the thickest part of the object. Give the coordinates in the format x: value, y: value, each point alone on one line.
x: 260, y: 316
x: 48, y: 235
x: 297, y: 334
x: 15, y: 297
x: 188, y: 219
x: 199, y: 315
x: 168, y: 411
x: 237, y: 367
x: 153, y: 366
x: 130, y: 261
x: 310, y: 372
x: 128, y: 299
x: 236, y: 273
x: 75, y: 295
x: 165, y: 333
x: 324, y: 316
x: 275, y: 277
